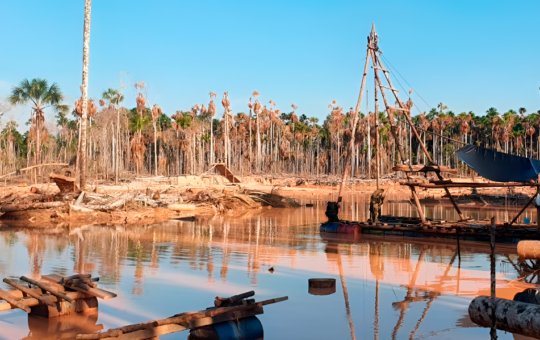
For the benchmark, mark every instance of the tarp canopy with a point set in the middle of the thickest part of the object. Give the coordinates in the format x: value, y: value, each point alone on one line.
x: 499, y: 166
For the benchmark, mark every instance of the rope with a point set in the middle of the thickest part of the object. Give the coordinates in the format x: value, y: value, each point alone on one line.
x: 392, y: 66
x: 436, y: 134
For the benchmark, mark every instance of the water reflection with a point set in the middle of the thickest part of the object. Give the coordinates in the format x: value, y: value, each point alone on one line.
x: 391, y: 287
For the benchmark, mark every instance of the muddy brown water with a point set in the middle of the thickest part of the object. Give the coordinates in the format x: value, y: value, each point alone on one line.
x: 396, y: 288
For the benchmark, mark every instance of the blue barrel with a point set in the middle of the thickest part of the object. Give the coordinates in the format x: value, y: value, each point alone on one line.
x: 249, y: 328
x: 329, y: 227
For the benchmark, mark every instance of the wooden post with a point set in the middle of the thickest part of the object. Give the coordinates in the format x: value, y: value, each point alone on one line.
x: 353, y: 132
x: 525, y: 207
x: 493, y: 331
x: 377, y: 160
x: 418, y: 206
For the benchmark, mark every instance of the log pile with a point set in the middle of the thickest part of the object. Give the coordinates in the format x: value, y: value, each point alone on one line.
x: 53, y: 295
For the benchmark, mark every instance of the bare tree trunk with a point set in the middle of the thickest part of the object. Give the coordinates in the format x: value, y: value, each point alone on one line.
x: 155, y: 148
x: 84, y: 98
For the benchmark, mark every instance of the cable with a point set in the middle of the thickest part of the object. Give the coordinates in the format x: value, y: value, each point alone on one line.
x: 392, y: 66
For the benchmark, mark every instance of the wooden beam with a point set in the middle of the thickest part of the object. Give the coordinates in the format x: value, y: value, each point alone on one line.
x: 525, y: 207
x: 12, y: 300
x: 418, y: 205
x: 48, y: 289
x: 31, y: 302
x: 30, y: 292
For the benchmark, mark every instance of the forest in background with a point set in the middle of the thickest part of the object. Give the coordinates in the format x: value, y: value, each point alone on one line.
x: 258, y: 140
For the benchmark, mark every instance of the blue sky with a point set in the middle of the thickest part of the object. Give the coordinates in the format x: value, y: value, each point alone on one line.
x: 470, y: 55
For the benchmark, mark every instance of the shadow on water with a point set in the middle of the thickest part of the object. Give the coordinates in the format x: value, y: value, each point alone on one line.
x: 386, y: 287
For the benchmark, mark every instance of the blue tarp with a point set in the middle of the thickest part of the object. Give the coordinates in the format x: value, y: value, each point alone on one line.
x: 499, y: 166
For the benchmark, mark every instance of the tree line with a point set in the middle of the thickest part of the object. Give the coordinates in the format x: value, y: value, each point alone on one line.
x: 258, y: 140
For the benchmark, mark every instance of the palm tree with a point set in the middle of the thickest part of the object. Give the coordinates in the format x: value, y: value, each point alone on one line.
x: 41, y: 96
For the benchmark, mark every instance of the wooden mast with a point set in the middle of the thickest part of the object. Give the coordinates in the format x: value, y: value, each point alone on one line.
x: 353, y: 132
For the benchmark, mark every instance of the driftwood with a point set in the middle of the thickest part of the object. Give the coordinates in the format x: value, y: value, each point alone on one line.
x: 47, y: 288
x: 31, y: 206
x: 110, y: 333
x: 13, y: 300
x: 30, y: 292
x: 116, y: 204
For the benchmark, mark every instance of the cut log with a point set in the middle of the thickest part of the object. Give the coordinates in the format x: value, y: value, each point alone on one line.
x: 116, y: 204
x: 30, y: 292
x: 48, y: 289
x: 31, y: 206
x: 97, y: 292
x: 31, y: 302
x: 110, y: 333
x: 13, y: 300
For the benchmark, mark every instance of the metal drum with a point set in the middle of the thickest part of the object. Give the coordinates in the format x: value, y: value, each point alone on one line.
x: 249, y: 328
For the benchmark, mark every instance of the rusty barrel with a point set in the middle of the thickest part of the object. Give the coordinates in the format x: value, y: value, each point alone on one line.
x: 529, y: 250
x: 511, y: 316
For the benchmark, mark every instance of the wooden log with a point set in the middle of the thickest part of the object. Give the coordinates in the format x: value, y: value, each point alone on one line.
x: 510, y: 316
x: 220, y: 300
x: 80, y: 198
x: 213, y: 312
x: 31, y: 206
x: 73, y: 277
x: 30, y: 292
x: 529, y: 250
x: 97, y: 292
x: 110, y: 333
x: 116, y: 204
x: 13, y: 300
x: 31, y: 302
x: 47, y: 288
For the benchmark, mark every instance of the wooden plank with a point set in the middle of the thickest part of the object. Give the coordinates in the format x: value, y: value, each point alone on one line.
x: 13, y: 300
x: 31, y: 302
x: 30, y: 292
x: 225, y: 172
x: 173, y: 328
x: 97, y: 292
x: 471, y: 185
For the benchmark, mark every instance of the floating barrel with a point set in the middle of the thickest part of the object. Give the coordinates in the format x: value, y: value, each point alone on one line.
x: 249, y: 328
x: 511, y: 316
x: 322, y: 286
x: 341, y: 228
x: 529, y: 249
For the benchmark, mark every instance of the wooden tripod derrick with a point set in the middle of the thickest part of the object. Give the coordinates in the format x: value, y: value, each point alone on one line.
x: 373, y: 53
